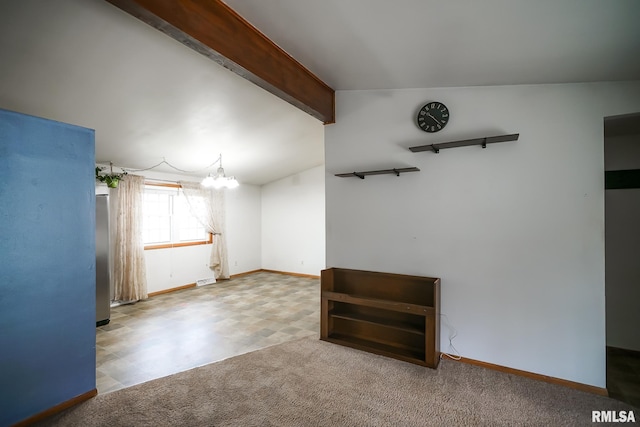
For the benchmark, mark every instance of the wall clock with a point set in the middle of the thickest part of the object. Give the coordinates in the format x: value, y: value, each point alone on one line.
x: 433, y: 117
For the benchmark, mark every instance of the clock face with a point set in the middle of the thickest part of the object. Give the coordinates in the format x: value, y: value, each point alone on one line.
x: 433, y: 117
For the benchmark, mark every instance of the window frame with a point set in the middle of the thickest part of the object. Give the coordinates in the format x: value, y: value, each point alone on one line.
x: 207, y: 241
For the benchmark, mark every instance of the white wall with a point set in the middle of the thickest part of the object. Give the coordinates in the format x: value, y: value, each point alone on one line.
x: 244, y: 228
x: 515, y: 231
x: 174, y: 267
x: 293, y: 223
x: 622, y: 211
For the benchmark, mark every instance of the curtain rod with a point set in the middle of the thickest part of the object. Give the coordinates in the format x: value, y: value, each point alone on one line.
x: 159, y: 182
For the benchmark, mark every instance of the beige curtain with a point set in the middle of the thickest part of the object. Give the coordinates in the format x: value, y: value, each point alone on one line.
x: 129, y: 271
x: 208, y: 206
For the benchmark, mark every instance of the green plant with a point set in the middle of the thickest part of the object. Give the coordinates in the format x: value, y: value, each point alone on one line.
x: 111, y: 179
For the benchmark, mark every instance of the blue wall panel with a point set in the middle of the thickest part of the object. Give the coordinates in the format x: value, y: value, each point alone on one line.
x: 47, y: 264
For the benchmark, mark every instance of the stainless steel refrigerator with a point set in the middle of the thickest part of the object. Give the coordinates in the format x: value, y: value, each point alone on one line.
x: 103, y: 275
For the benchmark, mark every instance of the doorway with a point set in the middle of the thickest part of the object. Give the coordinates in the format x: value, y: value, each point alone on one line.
x: 622, y: 262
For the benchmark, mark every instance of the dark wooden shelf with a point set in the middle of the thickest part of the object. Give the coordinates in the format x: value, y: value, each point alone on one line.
x: 465, y: 142
x: 394, y: 315
x: 400, y: 306
x: 361, y: 175
x: 379, y: 320
x: 412, y: 355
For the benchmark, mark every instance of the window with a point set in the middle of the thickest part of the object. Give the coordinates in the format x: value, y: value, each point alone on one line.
x: 167, y: 220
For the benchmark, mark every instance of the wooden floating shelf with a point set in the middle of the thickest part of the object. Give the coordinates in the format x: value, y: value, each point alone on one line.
x: 361, y: 175
x: 466, y: 142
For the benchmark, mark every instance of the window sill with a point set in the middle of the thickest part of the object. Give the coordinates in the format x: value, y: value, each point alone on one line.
x: 175, y: 245
x: 180, y: 245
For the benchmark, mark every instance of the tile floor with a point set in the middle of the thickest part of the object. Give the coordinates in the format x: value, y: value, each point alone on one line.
x: 178, y: 331
x: 623, y: 375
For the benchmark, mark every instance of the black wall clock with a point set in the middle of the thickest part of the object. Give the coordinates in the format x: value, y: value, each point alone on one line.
x: 433, y: 117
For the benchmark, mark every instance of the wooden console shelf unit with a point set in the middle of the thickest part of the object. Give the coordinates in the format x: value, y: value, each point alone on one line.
x: 393, y: 315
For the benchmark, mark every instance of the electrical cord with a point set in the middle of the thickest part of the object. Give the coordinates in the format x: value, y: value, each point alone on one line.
x: 164, y: 161
x: 454, y: 333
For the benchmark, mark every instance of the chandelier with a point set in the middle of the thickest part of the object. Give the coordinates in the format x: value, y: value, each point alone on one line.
x: 219, y: 180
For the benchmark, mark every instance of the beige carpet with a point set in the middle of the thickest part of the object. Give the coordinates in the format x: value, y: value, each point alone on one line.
x: 313, y: 383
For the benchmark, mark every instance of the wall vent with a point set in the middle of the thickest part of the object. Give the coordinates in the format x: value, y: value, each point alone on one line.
x: 207, y: 281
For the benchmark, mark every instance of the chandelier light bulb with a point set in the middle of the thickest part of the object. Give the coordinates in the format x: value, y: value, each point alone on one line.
x: 208, y: 181
x: 219, y: 180
x: 232, y: 182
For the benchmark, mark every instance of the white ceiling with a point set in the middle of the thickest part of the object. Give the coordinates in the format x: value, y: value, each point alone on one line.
x: 149, y: 97
x: 381, y: 44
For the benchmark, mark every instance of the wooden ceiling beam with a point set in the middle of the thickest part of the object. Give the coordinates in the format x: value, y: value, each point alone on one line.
x: 213, y: 29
